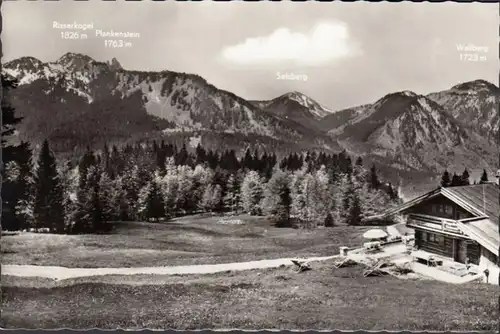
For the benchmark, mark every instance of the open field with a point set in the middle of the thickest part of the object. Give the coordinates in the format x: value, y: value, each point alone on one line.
x: 182, y: 241
x: 280, y: 298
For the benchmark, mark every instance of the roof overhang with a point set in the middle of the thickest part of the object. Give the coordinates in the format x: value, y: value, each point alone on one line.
x: 484, y: 232
x: 436, y: 192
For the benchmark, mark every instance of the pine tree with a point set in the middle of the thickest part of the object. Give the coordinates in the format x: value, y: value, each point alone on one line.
x: 89, y: 217
x: 217, y: 198
x: 70, y: 181
x: 309, y: 214
x: 251, y: 193
x: 182, y: 156
x: 232, y: 197
x: 348, y: 194
x: 170, y: 188
x: 296, y: 193
x: 206, y: 203
x: 48, y: 207
x: 464, y: 179
x: 276, y: 201
x: 247, y: 161
x: 118, y: 207
x: 184, y: 189
x: 97, y: 222
x: 24, y: 187
x: 88, y: 160
x: 484, y: 177
x: 354, y: 215
x: 10, y: 197
x: 374, y: 181
x: 155, y: 206
x: 202, y: 177
x: 131, y: 184
x: 211, y: 198
x: 445, y: 179
x: 106, y: 160
x: 455, y: 180
x: 391, y: 192
x: 329, y: 222
x: 321, y: 196
x: 11, y: 189
x: 110, y: 207
x: 9, y: 119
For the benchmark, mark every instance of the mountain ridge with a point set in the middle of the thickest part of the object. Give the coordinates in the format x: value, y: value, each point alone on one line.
x: 185, y: 101
x: 410, y: 131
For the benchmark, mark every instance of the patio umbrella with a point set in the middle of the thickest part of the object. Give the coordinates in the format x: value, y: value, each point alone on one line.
x: 374, y: 234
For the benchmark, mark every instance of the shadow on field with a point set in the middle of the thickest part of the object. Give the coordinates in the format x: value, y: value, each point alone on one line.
x: 141, y: 227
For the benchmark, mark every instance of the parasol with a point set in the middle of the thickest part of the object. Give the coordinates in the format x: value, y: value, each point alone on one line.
x: 374, y: 234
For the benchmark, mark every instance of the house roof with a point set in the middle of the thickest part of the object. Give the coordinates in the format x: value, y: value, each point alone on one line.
x: 480, y: 200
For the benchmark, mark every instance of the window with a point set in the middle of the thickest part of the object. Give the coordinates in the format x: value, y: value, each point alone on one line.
x: 448, y: 210
x: 435, y: 238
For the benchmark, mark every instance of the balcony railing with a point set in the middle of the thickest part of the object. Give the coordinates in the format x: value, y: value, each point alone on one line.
x: 434, y: 223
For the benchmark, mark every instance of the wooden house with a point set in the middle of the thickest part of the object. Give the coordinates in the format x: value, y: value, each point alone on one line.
x: 457, y: 223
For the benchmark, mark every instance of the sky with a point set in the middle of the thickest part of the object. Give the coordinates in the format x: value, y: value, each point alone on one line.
x: 350, y: 53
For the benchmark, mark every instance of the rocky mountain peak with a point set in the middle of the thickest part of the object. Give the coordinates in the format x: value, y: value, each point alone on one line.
x: 305, y: 101
x: 476, y: 85
x: 25, y: 63
x: 114, y: 64
x: 408, y: 93
x: 74, y: 61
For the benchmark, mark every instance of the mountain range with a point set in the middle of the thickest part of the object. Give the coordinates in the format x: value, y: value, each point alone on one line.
x: 77, y: 101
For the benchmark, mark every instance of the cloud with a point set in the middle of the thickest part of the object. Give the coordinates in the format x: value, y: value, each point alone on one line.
x: 325, y: 42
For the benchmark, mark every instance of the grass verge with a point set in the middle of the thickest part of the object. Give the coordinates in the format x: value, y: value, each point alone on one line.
x: 323, y: 298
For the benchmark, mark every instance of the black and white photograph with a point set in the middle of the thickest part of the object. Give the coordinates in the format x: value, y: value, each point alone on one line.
x: 250, y: 165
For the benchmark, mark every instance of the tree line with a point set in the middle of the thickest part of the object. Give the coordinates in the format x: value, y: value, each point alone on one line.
x: 151, y: 181
x: 463, y: 179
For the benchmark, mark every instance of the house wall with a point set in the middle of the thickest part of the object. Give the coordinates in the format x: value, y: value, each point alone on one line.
x: 434, y: 243
x: 444, y: 245
x: 441, y: 207
x: 487, y: 263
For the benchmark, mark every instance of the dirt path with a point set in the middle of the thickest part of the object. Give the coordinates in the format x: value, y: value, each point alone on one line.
x: 61, y: 273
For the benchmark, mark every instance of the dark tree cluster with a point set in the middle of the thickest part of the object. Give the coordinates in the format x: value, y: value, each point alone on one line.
x: 455, y: 180
x: 152, y: 181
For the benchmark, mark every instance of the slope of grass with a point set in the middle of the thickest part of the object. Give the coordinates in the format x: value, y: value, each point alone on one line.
x: 183, y: 241
x: 323, y: 298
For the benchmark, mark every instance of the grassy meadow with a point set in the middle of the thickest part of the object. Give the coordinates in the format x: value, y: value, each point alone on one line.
x: 182, y: 241
x: 280, y: 298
